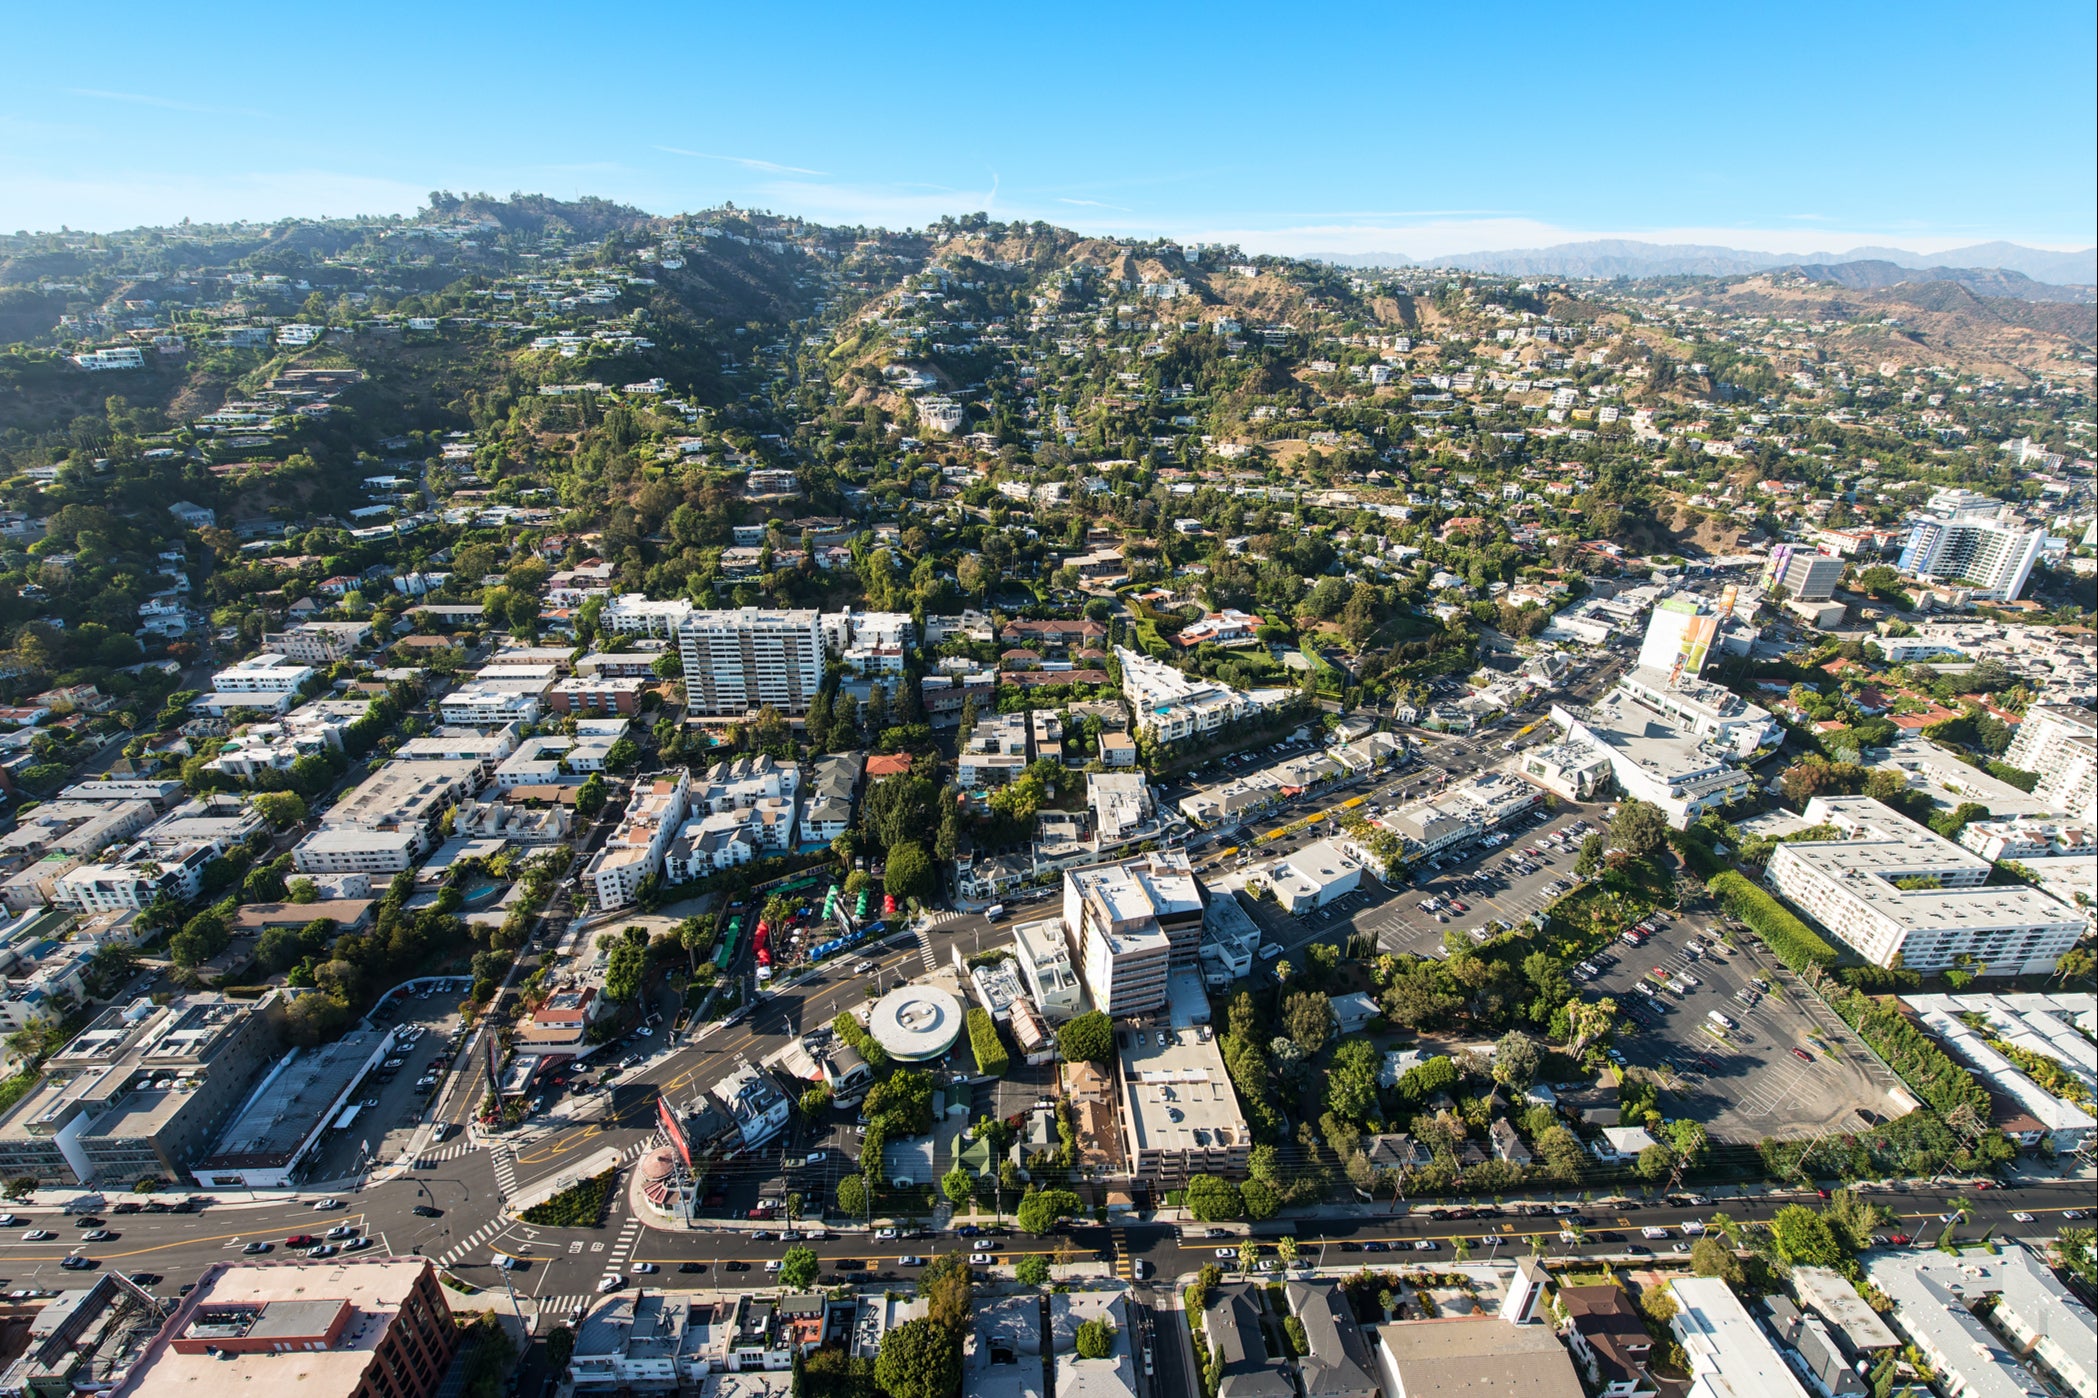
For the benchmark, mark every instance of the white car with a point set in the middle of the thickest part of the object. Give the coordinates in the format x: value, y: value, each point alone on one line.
x: 1221, y: 1252
x: 325, y: 1204
x: 38, y: 1235
x: 611, y: 1281
x: 981, y: 1259
x: 2022, y: 1217
x: 1693, y: 1229
x: 645, y: 1269
x: 772, y: 1264
x: 885, y: 1235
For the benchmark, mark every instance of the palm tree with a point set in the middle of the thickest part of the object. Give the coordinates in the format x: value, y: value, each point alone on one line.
x: 1726, y: 1226
x: 1248, y: 1256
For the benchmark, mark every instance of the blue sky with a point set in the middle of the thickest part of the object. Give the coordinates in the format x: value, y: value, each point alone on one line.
x: 1421, y: 129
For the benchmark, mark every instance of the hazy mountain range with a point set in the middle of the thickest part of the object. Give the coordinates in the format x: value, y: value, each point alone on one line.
x: 1620, y: 257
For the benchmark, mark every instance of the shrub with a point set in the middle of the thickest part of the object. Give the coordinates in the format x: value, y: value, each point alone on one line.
x: 581, y: 1205
x: 1943, y: 1085
x: 849, y: 1028
x: 1790, y: 940
x: 1090, y: 1038
x: 986, y: 1044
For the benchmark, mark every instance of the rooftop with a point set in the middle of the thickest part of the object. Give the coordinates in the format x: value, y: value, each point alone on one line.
x: 1473, y: 1356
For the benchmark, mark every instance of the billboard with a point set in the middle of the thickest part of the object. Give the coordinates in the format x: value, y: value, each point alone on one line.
x: 674, y: 1130
x: 1698, y: 636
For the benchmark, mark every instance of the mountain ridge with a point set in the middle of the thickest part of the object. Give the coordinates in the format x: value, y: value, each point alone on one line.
x: 1626, y: 257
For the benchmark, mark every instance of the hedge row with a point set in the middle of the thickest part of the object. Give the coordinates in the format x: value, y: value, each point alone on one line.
x: 1789, y: 939
x: 853, y: 1032
x: 1943, y: 1084
x: 991, y: 1057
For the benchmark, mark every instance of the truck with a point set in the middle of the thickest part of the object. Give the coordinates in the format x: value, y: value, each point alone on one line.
x: 1719, y: 1019
x: 994, y: 912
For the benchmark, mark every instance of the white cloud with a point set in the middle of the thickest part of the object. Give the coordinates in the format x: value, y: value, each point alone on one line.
x: 747, y: 162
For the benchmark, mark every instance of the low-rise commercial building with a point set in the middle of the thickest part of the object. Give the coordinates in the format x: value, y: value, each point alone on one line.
x: 1313, y: 877
x: 86, y: 1341
x: 285, y: 1117
x: 1891, y: 888
x: 1180, y: 1116
x: 374, y: 1327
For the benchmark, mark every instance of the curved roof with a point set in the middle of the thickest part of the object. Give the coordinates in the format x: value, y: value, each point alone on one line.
x: 916, y: 1022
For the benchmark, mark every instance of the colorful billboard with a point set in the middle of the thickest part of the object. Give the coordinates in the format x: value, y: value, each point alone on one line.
x: 674, y: 1130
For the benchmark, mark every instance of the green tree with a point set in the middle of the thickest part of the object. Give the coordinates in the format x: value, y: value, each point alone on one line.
x: 1089, y: 1038
x: 591, y: 795
x: 852, y: 1196
x: 959, y: 1186
x: 1803, y: 1236
x: 1096, y: 1338
x: 798, y: 1267
x: 1307, y: 1017
x: 1709, y: 1257
x: 1515, y: 1060
x: 282, y: 809
x: 1041, y: 1211
x: 1031, y: 1270
x: 623, y: 965
x: 1654, y: 1163
x: 1638, y: 828
x: 919, y: 1359
x: 910, y: 872
x: 1212, y: 1199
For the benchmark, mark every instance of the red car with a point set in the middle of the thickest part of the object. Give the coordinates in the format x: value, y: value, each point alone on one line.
x: 300, y: 1240
x: 1458, y: 907
x: 1898, y: 1239
x: 1803, y: 1056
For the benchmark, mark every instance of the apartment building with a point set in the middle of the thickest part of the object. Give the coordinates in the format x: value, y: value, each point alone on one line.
x: 1171, y: 706
x: 141, y: 1092
x: 742, y: 660
x: 2060, y: 743
x: 1890, y: 888
x: 598, y: 694
x: 1990, y: 556
x: 318, y: 643
x: 266, y: 681
x: 632, y: 614
x: 635, y: 850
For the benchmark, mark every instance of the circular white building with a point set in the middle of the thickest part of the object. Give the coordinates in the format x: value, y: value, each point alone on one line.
x: 916, y: 1022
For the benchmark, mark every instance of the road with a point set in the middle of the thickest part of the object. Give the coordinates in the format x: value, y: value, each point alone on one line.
x: 562, y: 1266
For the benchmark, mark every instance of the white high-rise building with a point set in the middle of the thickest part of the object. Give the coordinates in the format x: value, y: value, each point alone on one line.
x: 738, y: 661
x: 1129, y: 923
x: 2061, y: 744
x: 1992, y: 557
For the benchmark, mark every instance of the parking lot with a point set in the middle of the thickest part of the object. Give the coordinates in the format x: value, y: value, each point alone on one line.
x: 394, y: 1102
x: 1505, y: 883
x: 1772, y: 1074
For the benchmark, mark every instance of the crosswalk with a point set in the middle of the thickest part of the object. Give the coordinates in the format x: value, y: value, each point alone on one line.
x: 472, y: 1241
x: 925, y: 949
x: 623, y: 1248
x: 1123, y: 1269
x: 555, y: 1310
x: 941, y: 917
x: 505, y: 1162
x: 438, y: 1156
